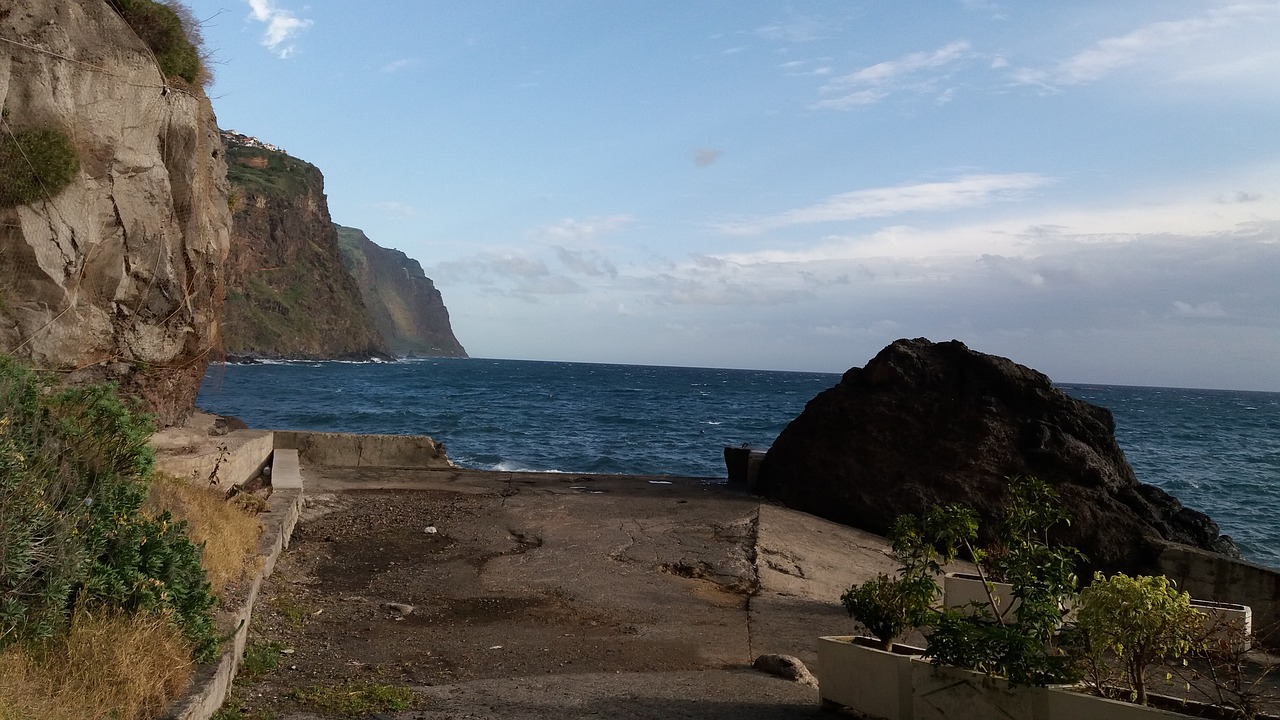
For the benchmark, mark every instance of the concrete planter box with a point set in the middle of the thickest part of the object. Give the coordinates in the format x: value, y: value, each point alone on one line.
x: 943, y: 692
x: 968, y: 594
x: 1064, y: 704
x: 1227, y: 624
x: 871, y: 682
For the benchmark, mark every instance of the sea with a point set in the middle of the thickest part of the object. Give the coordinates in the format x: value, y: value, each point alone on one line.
x: 1217, y: 451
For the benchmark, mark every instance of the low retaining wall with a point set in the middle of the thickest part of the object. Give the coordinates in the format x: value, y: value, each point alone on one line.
x: 1208, y: 576
x: 212, y: 682
x: 349, y: 450
x: 229, y: 460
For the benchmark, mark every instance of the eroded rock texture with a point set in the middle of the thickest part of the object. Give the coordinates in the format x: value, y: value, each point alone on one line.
x: 119, y: 276
x: 926, y: 424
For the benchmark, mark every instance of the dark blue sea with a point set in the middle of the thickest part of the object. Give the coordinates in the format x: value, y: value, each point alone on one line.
x: 1218, y: 451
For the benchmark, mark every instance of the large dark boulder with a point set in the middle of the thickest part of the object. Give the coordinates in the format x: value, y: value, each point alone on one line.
x: 929, y: 423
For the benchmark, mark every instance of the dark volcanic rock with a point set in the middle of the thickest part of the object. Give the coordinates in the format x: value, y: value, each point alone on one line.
x: 925, y: 424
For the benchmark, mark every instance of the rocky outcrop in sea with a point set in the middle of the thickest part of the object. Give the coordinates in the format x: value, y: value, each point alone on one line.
x: 926, y: 423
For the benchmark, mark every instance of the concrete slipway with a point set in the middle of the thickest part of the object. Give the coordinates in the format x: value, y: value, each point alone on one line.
x: 654, y: 594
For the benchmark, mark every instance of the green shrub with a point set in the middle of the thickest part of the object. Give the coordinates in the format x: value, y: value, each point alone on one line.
x: 35, y: 165
x: 162, y: 30
x: 1141, y: 620
x: 1043, y: 576
x: 74, y: 473
x: 39, y: 558
x: 889, y: 606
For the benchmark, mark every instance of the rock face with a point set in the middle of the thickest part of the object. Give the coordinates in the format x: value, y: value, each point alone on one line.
x: 288, y: 295
x: 119, y: 275
x: 405, y: 305
x: 926, y: 424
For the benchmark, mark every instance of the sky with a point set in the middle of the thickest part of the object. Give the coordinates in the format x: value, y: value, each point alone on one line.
x: 1089, y: 188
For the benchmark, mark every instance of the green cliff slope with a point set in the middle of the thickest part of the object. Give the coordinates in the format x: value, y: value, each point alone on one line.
x: 288, y: 294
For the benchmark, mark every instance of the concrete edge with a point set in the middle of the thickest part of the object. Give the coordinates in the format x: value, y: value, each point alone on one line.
x: 213, y: 681
x: 364, y: 450
x: 229, y: 460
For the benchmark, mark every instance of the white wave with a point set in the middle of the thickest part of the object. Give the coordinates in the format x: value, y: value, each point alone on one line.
x: 509, y: 466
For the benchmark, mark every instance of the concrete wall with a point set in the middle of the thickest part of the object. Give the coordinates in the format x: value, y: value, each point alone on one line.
x: 1212, y: 577
x: 348, y: 450
x: 246, y: 452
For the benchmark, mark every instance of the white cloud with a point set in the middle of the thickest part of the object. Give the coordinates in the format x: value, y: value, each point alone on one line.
x: 798, y: 30
x: 395, y: 207
x: 282, y: 26
x: 571, y: 231
x: 966, y: 191
x: 586, y: 262
x: 1234, y: 43
x: 400, y: 64
x: 1202, y: 310
x: 873, y: 83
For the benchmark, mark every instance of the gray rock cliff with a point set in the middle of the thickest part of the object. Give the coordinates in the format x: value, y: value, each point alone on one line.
x: 405, y: 305
x: 120, y: 274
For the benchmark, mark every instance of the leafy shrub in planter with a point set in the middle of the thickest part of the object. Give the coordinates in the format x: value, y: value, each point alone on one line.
x: 1042, y: 576
x: 1142, y: 620
x: 35, y: 165
x: 74, y: 468
x: 889, y: 606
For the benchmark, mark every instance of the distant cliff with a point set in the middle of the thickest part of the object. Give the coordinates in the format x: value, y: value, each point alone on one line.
x: 288, y: 294
x: 405, y: 305
x: 113, y: 199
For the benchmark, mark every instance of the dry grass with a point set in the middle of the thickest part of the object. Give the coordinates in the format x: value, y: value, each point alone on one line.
x: 229, y: 533
x: 108, y: 666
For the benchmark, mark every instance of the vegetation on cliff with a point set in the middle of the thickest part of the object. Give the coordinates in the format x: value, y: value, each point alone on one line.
x: 35, y: 164
x: 254, y: 171
x: 171, y: 33
x: 288, y: 294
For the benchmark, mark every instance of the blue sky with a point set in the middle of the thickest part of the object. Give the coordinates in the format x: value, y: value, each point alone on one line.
x: 1089, y: 188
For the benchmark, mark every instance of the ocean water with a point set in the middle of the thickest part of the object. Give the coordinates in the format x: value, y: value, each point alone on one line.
x: 1217, y: 451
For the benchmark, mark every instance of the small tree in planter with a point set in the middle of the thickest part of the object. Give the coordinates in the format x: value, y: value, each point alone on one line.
x: 1141, y: 620
x: 889, y: 606
x: 1042, y: 575
x: 874, y: 678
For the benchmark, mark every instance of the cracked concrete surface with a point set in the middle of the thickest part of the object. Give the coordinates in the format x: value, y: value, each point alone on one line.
x: 535, y: 598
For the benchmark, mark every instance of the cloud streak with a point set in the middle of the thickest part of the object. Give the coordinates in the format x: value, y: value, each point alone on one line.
x: 874, y: 83
x: 282, y: 26
x: 1152, y: 41
x: 965, y: 191
x: 574, y: 232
